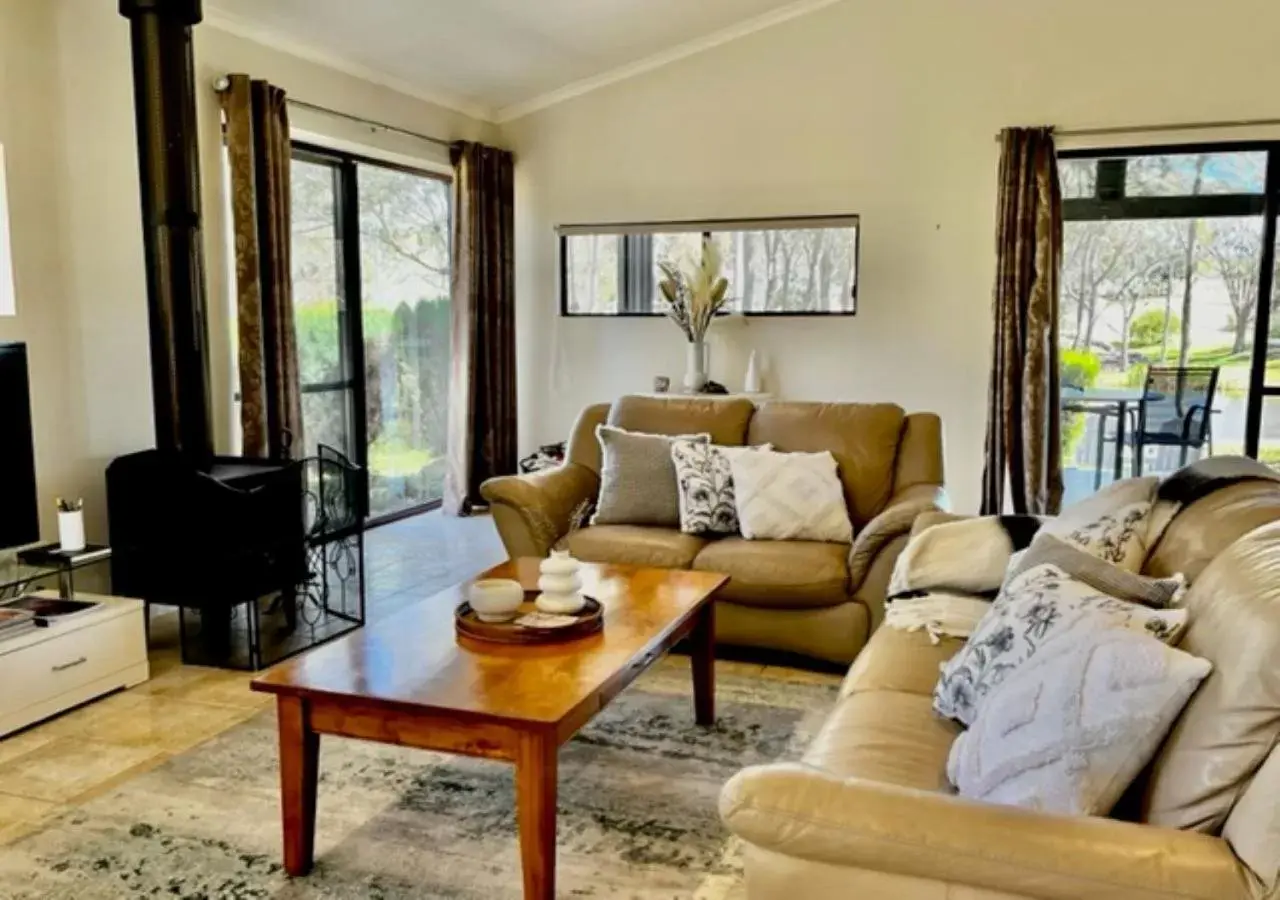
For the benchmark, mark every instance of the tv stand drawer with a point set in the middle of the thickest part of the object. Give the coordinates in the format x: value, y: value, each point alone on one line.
x: 66, y: 661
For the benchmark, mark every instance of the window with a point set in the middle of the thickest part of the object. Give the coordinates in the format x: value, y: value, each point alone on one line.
x: 801, y: 266
x: 1167, y: 253
x: 371, y: 262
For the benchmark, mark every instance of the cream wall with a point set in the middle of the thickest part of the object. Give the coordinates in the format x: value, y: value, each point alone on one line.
x: 32, y: 142
x: 67, y: 125
x: 886, y: 109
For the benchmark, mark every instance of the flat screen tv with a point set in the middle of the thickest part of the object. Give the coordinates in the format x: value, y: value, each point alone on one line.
x: 19, y: 516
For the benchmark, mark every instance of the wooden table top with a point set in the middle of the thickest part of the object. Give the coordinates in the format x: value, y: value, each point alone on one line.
x: 414, y: 661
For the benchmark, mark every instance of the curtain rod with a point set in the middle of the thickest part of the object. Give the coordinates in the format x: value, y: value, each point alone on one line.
x: 1163, y: 127
x: 223, y: 83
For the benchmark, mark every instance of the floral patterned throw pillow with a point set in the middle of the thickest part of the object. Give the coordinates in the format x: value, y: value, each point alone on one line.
x: 1111, y: 524
x: 705, y: 480
x: 1037, y: 607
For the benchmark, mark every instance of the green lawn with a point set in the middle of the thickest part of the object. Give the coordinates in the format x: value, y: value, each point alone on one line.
x: 1233, y: 380
x: 397, y: 459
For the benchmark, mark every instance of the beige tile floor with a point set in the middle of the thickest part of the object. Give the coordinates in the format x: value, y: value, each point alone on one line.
x: 69, y: 760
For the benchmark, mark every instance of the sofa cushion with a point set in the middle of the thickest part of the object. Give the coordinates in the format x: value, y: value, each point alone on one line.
x: 1253, y: 828
x: 885, y: 736
x: 1077, y: 725
x: 969, y: 555
x: 1111, y: 524
x: 1158, y: 593
x: 863, y: 437
x: 832, y: 633
x: 638, y: 479
x: 1199, y: 532
x: 637, y: 545
x: 790, y: 497
x: 897, y: 660
x: 1035, y: 609
x: 704, y: 482
x: 722, y: 418
x: 1233, y: 721
x: 780, y: 574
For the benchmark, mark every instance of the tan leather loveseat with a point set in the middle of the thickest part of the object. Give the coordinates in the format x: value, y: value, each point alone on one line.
x: 818, y: 599
x: 868, y: 813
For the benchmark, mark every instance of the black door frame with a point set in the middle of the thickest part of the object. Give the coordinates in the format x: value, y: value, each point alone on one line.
x: 1204, y: 206
x: 351, y: 303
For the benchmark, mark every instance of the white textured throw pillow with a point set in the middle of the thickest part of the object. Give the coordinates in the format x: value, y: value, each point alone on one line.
x: 1039, y: 606
x: 1077, y: 725
x: 790, y: 497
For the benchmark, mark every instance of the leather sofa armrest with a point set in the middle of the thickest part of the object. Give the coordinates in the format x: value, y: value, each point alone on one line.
x: 893, y: 521
x: 532, y: 511
x: 810, y: 814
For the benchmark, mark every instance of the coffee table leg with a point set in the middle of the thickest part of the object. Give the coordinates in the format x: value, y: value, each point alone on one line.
x: 299, y: 764
x: 536, y: 813
x: 703, y: 639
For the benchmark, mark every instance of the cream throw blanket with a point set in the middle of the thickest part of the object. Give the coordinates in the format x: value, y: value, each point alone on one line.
x: 938, y: 613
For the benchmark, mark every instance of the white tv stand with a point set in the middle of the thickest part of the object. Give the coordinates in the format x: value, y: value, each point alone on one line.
x: 77, y: 658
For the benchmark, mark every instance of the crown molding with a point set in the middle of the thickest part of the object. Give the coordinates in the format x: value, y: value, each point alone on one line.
x: 665, y: 58
x: 275, y: 40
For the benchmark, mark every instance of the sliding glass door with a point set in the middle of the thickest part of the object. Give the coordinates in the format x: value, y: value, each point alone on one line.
x: 371, y: 291
x: 1168, y: 261
x: 321, y: 313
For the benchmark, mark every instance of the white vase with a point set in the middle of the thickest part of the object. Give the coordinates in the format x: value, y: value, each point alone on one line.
x: 751, y: 384
x: 560, y: 584
x: 560, y: 562
x: 695, y: 366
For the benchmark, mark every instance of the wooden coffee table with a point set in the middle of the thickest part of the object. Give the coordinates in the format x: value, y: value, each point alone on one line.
x: 408, y: 680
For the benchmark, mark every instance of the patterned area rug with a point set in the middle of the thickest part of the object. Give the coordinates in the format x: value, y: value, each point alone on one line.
x: 638, y: 817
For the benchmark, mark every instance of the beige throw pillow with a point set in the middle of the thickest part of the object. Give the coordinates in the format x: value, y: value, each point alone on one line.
x: 638, y: 478
x: 1111, y: 524
x: 790, y: 497
x: 1077, y: 725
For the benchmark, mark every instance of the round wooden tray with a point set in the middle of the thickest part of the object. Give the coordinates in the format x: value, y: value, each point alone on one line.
x: 590, y: 620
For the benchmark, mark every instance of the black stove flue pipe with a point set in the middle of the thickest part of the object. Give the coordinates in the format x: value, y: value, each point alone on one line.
x: 169, y: 164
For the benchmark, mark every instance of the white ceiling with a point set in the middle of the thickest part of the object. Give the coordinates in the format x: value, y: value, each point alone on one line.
x: 498, y: 59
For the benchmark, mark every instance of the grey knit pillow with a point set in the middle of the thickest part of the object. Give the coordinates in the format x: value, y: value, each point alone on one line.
x: 1158, y: 593
x: 638, y: 478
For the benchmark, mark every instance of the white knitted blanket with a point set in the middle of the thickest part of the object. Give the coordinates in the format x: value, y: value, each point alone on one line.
x: 939, y: 613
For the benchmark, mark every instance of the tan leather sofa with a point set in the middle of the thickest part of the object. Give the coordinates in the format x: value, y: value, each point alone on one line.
x: 817, y: 599
x: 867, y: 811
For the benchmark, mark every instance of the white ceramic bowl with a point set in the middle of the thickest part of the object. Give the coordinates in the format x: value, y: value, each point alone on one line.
x: 495, y: 599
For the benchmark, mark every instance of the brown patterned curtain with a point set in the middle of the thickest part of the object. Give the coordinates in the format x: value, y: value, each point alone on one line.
x: 1024, y: 420
x: 257, y: 135
x: 482, y: 388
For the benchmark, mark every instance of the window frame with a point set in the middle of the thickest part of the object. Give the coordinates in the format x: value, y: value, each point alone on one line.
x: 350, y: 285
x: 776, y: 223
x: 1266, y: 204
